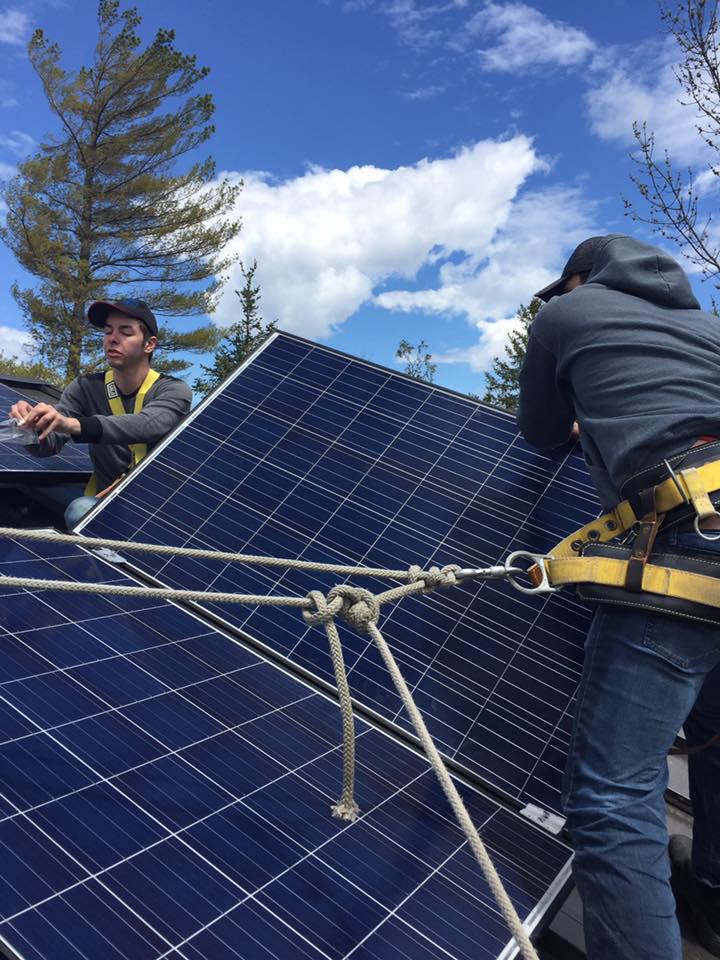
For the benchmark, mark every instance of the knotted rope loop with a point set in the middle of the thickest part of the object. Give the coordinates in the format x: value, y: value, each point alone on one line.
x: 323, y: 609
x: 435, y: 576
x: 359, y: 607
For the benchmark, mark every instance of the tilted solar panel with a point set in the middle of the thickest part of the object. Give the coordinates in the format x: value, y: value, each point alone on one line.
x: 14, y: 458
x: 309, y: 453
x: 164, y: 793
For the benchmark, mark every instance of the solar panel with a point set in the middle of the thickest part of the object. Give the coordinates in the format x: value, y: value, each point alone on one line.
x: 72, y: 459
x: 310, y: 453
x: 165, y: 794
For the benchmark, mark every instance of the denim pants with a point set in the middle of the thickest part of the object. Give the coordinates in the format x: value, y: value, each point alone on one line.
x: 645, y: 675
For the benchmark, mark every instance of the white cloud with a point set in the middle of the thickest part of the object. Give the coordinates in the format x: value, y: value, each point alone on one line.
x: 326, y: 240
x: 424, y: 93
x: 646, y: 92
x: 7, y: 171
x: 524, y: 37
x: 14, y: 343
x: 14, y: 26
x: 17, y: 142
x: 524, y: 255
x: 492, y: 342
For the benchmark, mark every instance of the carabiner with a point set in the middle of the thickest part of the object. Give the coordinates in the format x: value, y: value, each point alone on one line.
x: 539, y: 560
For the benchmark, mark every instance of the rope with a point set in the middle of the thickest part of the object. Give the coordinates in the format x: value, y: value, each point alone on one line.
x: 412, y: 574
x: 166, y: 593
x: 361, y: 609
x: 357, y: 607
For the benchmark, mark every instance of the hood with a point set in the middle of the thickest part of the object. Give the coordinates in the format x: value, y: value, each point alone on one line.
x: 644, y: 271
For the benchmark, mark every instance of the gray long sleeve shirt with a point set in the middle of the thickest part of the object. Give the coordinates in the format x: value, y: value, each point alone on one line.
x: 109, y: 436
x: 632, y: 357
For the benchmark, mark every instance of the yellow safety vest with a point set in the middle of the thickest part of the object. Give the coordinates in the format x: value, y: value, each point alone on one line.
x: 138, y: 451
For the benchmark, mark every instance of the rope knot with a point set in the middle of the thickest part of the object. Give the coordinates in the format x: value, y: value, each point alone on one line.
x: 435, y: 576
x: 358, y: 607
x: 323, y: 610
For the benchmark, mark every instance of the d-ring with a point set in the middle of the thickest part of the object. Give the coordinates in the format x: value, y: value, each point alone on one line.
x: 702, y: 533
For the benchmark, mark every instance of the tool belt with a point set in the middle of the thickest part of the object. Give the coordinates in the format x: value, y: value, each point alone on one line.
x: 684, y: 488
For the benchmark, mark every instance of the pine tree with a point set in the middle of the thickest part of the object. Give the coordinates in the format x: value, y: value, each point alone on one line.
x: 102, y: 210
x: 34, y: 369
x: 502, y: 385
x: 418, y: 362
x: 242, y: 338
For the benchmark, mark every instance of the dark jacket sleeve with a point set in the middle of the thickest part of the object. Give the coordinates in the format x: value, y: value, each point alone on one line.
x: 545, y: 411
x: 163, y: 409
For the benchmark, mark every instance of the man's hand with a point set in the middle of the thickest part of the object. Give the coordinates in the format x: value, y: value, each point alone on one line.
x: 575, y: 432
x: 44, y: 419
x: 19, y: 410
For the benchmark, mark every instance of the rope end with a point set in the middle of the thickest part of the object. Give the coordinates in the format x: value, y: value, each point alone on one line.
x: 346, y: 810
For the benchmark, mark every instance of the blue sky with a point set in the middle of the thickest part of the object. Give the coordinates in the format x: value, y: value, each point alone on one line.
x: 413, y: 168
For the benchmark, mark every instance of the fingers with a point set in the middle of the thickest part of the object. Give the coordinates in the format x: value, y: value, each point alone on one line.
x: 48, y: 423
x: 36, y: 413
x: 19, y: 410
x: 43, y: 418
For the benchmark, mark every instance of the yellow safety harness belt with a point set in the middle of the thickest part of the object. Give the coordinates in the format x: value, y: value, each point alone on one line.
x: 674, y: 582
x: 138, y: 451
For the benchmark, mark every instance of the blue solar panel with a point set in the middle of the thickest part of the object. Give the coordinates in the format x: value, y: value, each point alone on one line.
x: 309, y: 453
x: 73, y: 458
x: 164, y: 792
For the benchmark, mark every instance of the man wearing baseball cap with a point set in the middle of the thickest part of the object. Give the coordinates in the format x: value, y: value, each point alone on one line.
x: 121, y: 412
x: 623, y: 348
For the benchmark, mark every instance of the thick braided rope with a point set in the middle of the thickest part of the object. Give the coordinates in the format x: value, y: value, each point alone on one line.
x: 165, y: 593
x: 198, y: 553
x: 455, y: 800
x: 346, y: 808
x: 361, y: 609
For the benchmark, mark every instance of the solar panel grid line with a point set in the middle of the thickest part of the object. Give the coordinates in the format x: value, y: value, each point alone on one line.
x: 321, y: 539
x: 15, y: 459
x: 488, y: 554
x: 187, y: 421
x: 463, y: 614
x: 314, y: 853
x: 556, y: 733
x: 260, y: 789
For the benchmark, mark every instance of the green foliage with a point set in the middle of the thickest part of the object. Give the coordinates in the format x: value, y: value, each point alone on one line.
x: 12, y: 366
x: 418, y: 362
x: 103, y: 209
x: 502, y: 384
x: 241, y: 339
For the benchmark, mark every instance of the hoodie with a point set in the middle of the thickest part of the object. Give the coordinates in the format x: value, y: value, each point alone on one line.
x: 629, y: 355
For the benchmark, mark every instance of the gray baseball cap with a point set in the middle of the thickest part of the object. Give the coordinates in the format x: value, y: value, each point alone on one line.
x: 581, y: 261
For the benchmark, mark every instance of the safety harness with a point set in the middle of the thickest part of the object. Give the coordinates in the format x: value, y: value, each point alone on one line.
x: 674, y: 492
x: 138, y: 451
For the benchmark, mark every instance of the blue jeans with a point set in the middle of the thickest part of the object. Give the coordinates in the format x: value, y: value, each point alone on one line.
x: 645, y: 676
x: 77, y: 509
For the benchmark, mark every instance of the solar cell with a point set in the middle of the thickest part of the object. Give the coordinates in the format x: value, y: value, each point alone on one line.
x: 312, y: 454
x: 73, y: 458
x: 165, y: 794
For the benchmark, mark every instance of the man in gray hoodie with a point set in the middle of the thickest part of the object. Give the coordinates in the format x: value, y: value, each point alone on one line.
x: 121, y: 413
x: 623, y: 349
